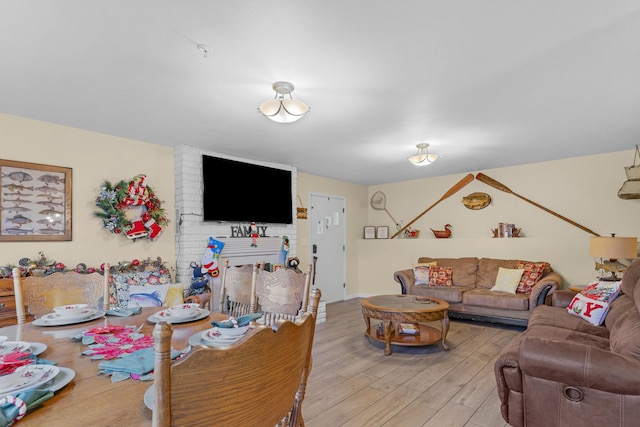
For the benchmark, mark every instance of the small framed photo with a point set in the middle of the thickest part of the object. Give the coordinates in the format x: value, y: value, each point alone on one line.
x: 369, y: 232
x: 382, y: 232
x: 276, y: 267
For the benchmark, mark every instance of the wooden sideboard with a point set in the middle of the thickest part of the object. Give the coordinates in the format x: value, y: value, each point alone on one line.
x: 8, y: 309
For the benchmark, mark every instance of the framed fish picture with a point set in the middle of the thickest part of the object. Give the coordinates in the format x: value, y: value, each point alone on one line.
x: 35, y: 202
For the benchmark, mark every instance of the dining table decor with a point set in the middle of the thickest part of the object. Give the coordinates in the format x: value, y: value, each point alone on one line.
x: 236, y: 322
x: 14, y: 408
x: 26, y: 381
x: 124, y: 311
x: 54, y: 319
x: 15, y: 354
x: 137, y: 365
x: 112, y: 341
x: 171, y: 317
x: 124, y: 352
x: 225, y: 332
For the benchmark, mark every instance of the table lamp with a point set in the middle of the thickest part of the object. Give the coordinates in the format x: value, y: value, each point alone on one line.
x: 609, y: 250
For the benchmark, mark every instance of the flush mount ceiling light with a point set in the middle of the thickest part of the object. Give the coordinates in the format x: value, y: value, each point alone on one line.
x: 423, y: 157
x: 281, y: 109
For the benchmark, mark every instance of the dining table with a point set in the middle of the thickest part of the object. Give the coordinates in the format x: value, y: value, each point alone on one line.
x: 91, y: 398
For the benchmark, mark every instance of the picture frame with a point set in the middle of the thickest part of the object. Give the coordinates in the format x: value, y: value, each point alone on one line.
x: 382, y: 232
x: 35, y: 202
x: 369, y: 232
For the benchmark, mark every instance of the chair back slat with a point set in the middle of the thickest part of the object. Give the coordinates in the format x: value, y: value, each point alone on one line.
x: 282, y: 294
x: 237, y: 295
x: 35, y: 296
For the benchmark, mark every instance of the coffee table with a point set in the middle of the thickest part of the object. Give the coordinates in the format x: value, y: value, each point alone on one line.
x: 392, y: 310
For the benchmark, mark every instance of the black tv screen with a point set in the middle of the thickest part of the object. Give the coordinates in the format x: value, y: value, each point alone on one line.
x: 245, y: 192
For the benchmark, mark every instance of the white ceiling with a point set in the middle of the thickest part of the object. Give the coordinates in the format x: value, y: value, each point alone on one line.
x: 487, y: 83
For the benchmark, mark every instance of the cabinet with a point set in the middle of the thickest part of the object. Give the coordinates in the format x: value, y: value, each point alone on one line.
x: 8, y: 310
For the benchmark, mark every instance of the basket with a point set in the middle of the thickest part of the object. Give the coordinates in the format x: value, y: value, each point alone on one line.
x: 631, y: 187
x: 301, y: 213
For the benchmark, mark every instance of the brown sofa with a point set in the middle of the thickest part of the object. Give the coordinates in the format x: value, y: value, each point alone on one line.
x: 564, y: 371
x: 470, y: 296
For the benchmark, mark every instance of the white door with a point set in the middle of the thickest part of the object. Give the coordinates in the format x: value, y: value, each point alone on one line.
x: 328, y: 246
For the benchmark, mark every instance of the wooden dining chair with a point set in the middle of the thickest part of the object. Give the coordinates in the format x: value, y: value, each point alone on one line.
x: 35, y: 296
x: 257, y: 381
x: 282, y: 294
x: 237, y: 291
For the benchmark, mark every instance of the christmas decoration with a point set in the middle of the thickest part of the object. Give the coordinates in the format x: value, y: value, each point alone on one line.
x: 210, y: 257
x: 133, y: 199
x: 43, y: 266
x: 254, y: 235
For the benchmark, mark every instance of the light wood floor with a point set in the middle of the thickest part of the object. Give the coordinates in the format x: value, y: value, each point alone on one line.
x: 353, y: 384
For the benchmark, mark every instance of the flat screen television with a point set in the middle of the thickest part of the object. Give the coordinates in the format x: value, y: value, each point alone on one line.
x: 237, y: 191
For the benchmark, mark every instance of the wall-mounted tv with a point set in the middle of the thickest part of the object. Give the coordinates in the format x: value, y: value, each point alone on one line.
x: 237, y: 191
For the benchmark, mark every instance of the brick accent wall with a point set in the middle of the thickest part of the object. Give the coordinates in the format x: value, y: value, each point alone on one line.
x: 192, y: 233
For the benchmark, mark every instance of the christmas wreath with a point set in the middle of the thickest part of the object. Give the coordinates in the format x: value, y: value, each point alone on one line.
x: 131, y: 208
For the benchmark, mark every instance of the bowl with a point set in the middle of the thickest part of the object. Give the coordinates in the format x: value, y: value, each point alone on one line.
x: 70, y: 309
x: 233, y: 332
x: 183, y: 310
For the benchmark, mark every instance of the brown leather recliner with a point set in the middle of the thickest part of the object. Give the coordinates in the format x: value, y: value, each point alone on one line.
x: 564, y: 371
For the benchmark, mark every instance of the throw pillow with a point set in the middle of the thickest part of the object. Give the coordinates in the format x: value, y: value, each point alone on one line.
x: 592, y: 304
x: 508, y: 279
x: 147, y: 296
x: 533, y: 272
x: 421, y: 272
x: 175, y: 294
x: 440, y: 276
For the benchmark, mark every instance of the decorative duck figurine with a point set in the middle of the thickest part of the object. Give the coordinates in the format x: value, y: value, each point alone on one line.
x: 442, y: 234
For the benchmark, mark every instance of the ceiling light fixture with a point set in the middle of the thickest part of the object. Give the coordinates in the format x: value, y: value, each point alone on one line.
x: 423, y: 157
x: 281, y: 109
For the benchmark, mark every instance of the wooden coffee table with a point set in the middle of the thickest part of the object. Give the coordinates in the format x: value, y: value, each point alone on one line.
x: 392, y: 310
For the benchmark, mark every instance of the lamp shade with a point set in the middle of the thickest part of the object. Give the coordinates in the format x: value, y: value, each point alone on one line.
x: 281, y: 109
x: 423, y: 156
x: 613, y: 247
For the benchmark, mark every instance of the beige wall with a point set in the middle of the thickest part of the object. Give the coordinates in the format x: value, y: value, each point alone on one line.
x: 583, y: 190
x: 93, y: 158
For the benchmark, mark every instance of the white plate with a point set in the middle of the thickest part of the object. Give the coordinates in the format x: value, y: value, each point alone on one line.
x: 196, y: 339
x: 82, y: 315
x: 27, y: 377
x: 175, y: 315
x: 202, y: 313
x: 63, y: 378
x: 47, y: 320
x: 149, y: 399
x: 14, y: 346
x: 218, y: 335
x: 37, y: 348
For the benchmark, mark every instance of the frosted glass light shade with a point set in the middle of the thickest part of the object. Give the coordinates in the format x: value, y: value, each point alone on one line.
x: 281, y: 109
x: 423, y: 157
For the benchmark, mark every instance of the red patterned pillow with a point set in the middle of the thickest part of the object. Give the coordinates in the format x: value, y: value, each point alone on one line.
x: 440, y: 276
x: 533, y: 272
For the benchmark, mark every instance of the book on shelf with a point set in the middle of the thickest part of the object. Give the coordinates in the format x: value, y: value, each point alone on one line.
x: 408, y: 329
